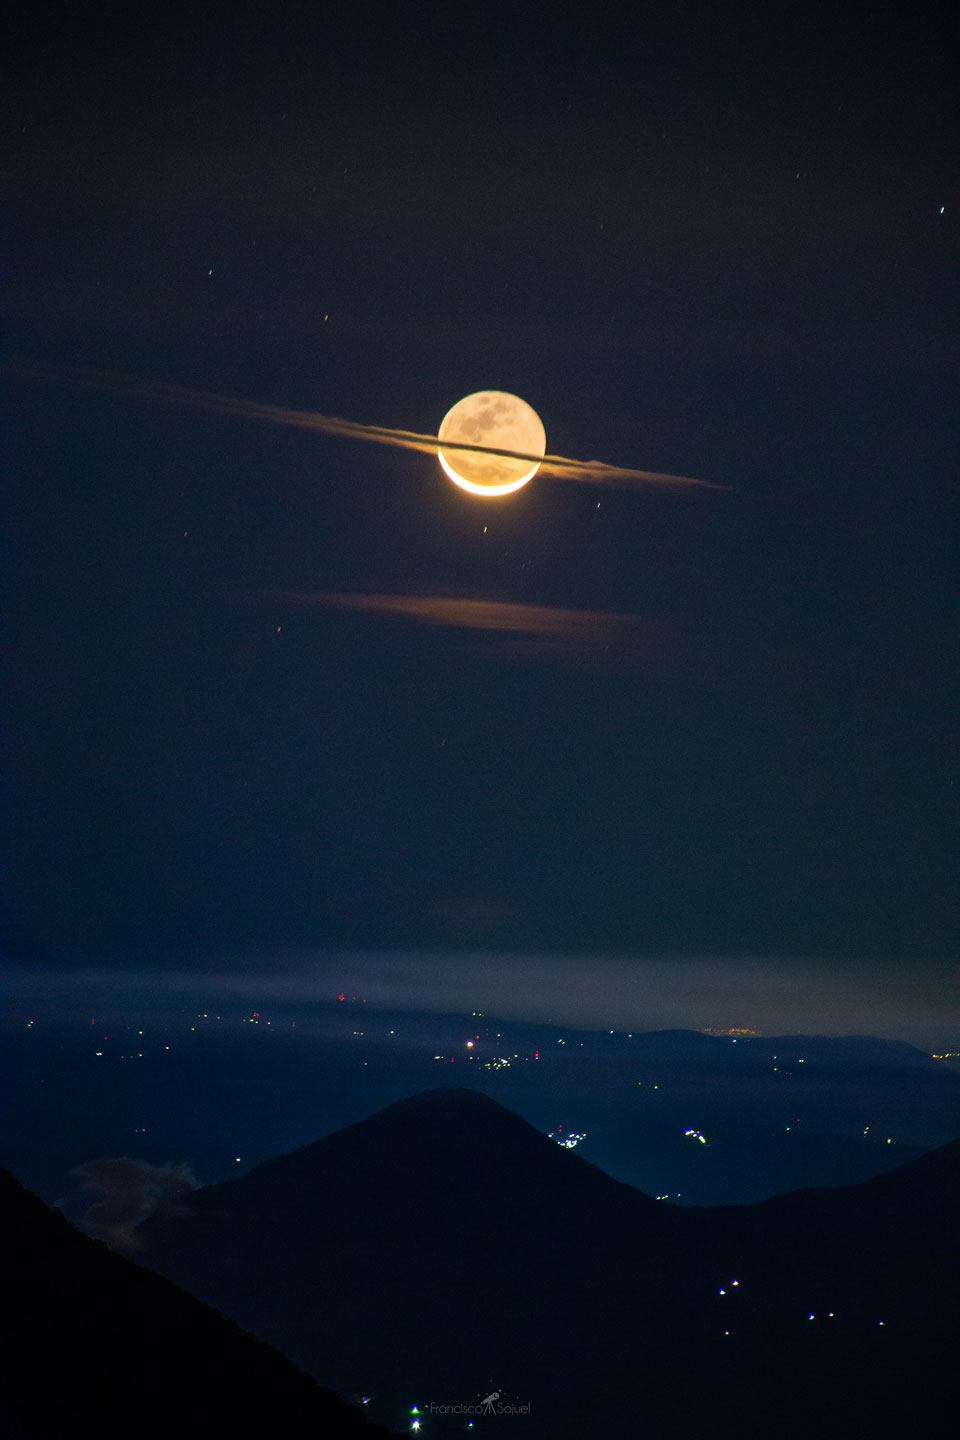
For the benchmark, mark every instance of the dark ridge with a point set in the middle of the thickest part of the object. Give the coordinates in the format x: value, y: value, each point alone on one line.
x: 95, y: 1345
x: 926, y: 1181
x: 466, y: 1139
x: 443, y: 1245
x: 833, y: 1048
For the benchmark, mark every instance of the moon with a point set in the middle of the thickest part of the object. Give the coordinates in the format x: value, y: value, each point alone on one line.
x: 497, y: 420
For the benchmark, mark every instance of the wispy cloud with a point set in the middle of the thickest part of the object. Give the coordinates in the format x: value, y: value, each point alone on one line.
x: 775, y: 995
x: 129, y: 1191
x: 467, y: 614
x: 594, y: 471
x: 526, y: 631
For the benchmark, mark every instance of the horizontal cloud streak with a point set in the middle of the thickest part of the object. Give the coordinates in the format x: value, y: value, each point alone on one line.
x: 594, y: 471
x: 774, y: 995
x: 466, y: 614
x: 527, y: 632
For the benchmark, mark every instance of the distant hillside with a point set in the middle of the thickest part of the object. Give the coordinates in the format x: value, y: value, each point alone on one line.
x: 443, y: 1248
x: 97, y: 1346
x: 853, y: 1109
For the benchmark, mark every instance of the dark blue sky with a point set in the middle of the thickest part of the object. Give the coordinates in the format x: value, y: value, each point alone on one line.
x: 709, y: 242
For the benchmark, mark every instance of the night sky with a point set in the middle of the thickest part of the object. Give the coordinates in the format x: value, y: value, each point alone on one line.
x: 251, y: 707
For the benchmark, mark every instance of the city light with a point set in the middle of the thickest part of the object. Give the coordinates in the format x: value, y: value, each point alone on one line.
x: 570, y: 1141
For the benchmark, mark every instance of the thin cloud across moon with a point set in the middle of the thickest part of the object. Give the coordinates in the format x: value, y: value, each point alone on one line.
x: 593, y: 471
x: 496, y: 419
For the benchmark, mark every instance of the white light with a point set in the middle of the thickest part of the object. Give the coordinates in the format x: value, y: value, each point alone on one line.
x: 506, y: 489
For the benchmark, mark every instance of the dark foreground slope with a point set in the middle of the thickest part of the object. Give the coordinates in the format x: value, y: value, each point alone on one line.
x: 95, y: 1345
x: 443, y: 1249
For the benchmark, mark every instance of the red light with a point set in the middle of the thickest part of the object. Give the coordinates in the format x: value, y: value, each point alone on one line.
x: 340, y: 996
x: 256, y: 1014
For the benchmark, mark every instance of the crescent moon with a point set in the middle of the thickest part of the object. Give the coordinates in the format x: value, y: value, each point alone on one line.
x: 495, y: 419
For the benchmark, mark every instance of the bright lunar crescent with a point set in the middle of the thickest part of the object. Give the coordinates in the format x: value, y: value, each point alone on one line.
x: 498, y: 421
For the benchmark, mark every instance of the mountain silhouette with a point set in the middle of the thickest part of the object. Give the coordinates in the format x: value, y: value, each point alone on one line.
x: 443, y: 1248
x: 95, y: 1345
